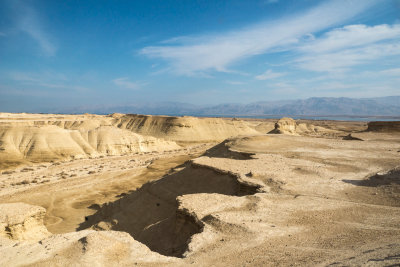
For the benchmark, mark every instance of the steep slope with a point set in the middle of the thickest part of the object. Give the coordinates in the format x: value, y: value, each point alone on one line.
x: 21, y: 225
x: 50, y: 142
x: 184, y: 129
x: 152, y: 214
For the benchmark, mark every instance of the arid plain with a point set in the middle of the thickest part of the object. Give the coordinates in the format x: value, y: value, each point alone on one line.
x: 123, y: 190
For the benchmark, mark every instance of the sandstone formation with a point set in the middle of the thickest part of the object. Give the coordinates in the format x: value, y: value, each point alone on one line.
x: 153, y: 216
x: 285, y: 126
x: 50, y: 142
x: 265, y: 127
x: 183, y: 129
x: 84, y: 248
x: 291, y: 127
x: 41, y: 137
x: 20, y: 221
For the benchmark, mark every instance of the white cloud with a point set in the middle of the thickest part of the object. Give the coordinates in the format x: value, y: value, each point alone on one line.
x: 125, y: 83
x: 28, y: 21
x: 2, y: 34
x: 349, y: 46
x: 269, y: 74
x: 352, y: 45
x: 234, y: 82
x: 191, y: 55
x: 394, y: 72
x: 351, y: 36
x: 336, y: 88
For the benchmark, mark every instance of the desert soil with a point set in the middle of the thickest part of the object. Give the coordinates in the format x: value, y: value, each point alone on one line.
x: 156, y: 190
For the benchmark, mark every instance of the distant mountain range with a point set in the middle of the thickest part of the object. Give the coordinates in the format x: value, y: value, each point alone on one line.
x: 315, y: 106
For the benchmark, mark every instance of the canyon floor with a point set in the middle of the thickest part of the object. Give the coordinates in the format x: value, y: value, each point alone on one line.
x: 92, y: 190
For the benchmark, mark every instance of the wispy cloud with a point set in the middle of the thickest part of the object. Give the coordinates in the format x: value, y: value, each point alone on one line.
x: 27, y: 20
x: 124, y: 82
x: 394, y: 72
x: 46, y: 80
x: 37, y: 77
x: 352, y: 45
x: 351, y: 36
x: 341, y: 61
x: 269, y: 74
x: 2, y: 34
x: 234, y: 82
x: 191, y: 55
x: 285, y: 87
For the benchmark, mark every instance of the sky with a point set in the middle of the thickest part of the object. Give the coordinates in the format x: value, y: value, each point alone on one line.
x: 66, y: 54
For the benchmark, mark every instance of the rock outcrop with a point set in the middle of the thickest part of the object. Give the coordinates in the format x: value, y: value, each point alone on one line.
x: 83, y: 248
x: 47, y: 137
x: 285, y: 126
x: 21, y: 226
x: 291, y: 127
x: 50, y: 142
x: 184, y: 129
x: 20, y: 221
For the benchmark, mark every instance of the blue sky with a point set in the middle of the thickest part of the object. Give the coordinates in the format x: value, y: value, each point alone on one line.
x: 65, y: 54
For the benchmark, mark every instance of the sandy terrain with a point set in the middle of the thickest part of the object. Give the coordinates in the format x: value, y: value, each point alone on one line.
x: 129, y: 190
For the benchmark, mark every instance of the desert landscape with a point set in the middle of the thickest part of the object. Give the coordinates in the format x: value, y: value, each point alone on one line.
x: 200, y: 133
x: 125, y: 189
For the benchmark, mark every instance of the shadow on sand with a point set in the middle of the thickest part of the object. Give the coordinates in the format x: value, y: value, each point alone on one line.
x: 151, y: 215
x: 390, y: 178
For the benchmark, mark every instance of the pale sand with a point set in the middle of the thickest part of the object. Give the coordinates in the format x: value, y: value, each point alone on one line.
x: 307, y: 198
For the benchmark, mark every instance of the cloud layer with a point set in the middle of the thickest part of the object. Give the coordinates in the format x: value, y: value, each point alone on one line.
x: 125, y: 83
x: 269, y: 74
x: 193, y: 55
x: 351, y: 45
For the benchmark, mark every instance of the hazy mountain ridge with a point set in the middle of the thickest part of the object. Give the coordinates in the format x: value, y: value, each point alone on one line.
x: 341, y: 106
x: 385, y: 106
x: 315, y: 106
